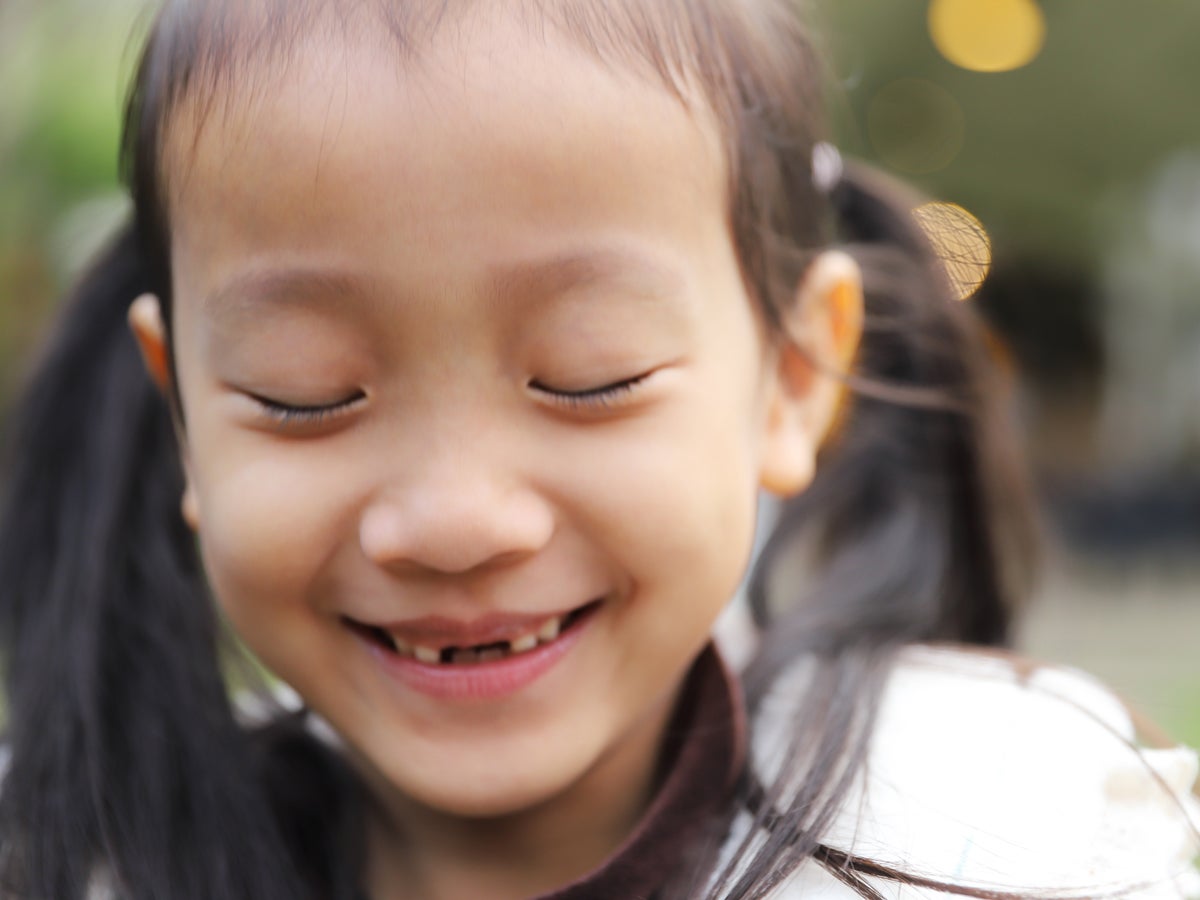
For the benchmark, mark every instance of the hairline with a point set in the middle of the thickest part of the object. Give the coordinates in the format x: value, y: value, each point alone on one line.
x: 224, y: 53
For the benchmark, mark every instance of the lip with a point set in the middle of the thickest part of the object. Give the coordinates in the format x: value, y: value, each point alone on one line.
x: 481, y: 680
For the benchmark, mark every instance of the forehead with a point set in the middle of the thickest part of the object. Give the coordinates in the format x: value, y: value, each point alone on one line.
x: 225, y: 60
x: 340, y: 134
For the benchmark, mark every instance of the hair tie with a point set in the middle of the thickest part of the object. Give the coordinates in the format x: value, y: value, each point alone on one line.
x: 827, y: 167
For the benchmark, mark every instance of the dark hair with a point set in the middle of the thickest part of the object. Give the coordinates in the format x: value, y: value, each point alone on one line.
x: 125, y: 752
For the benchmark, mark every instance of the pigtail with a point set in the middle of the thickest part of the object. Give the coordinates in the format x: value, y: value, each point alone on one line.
x: 919, y: 519
x: 917, y: 528
x: 125, y: 762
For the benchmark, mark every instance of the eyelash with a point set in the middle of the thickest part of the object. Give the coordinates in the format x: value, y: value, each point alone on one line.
x: 286, y: 414
x: 593, y: 399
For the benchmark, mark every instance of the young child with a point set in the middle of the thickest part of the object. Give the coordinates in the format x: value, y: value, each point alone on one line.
x: 473, y: 331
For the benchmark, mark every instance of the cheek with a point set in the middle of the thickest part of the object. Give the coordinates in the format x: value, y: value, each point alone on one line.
x: 677, y: 497
x: 705, y: 511
x: 690, y: 531
x: 703, y: 518
x: 268, y: 524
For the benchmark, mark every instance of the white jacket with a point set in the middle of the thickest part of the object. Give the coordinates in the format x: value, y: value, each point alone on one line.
x: 994, y: 774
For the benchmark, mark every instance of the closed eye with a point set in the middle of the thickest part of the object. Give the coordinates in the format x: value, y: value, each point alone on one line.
x: 600, y: 398
x: 293, y: 415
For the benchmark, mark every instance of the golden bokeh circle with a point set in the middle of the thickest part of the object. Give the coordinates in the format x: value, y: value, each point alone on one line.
x: 960, y: 242
x: 987, y: 35
x: 916, y: 126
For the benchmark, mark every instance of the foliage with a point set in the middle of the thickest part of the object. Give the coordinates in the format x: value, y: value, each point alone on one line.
x: 61, y: 64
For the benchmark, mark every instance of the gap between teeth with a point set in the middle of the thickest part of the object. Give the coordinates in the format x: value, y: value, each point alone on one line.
x: 547, y: 632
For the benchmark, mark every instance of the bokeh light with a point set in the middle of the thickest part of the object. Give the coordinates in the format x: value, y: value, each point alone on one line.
x: 960, y: 241
x: 987, y: 35
x: 917, y: 127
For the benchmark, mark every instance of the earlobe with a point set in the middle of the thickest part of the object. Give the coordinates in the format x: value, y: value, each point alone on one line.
x: 190, y: 507
x: 146, y: 323
x: 821, y: 337
x: 788, y: 464
x: 790, y: 442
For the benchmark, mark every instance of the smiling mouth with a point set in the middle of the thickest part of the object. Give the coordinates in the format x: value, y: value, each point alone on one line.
x: 521, y: 642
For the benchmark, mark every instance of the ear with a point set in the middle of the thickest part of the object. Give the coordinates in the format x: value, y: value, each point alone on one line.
x: 821, y: 334
x: 149, y: 330
x: 146, y: 323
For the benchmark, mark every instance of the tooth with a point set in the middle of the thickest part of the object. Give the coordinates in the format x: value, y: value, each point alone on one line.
x: 524, y: 644
x: 404, y: 649
x: 549, y: 631
x: 492, y: 654
x: 427, y: 655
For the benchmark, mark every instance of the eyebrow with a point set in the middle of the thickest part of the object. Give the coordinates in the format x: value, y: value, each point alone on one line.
x: 296, y: 286
x: 312, y: 287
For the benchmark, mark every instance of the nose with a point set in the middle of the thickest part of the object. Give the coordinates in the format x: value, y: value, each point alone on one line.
x: 452, y: 517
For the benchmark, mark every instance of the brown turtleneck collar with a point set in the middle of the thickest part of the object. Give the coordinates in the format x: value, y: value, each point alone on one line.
x: 702, y: 757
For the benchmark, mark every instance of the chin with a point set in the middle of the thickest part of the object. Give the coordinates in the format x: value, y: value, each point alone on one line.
x: 495, y: 797
x: 470, y: 783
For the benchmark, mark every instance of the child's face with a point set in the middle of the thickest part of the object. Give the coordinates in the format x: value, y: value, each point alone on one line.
x: 446, y: 256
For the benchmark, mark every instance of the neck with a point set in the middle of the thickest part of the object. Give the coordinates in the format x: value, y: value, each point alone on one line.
x: 416, y: 851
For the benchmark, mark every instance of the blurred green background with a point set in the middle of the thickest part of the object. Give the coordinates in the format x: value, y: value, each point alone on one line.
x: 1082, y: 164
x: 63, y: 67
